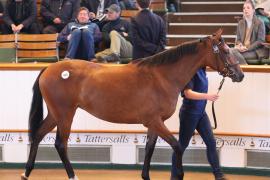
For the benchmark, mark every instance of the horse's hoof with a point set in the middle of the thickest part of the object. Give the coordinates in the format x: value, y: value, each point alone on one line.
x: 173, y: 178
x: 177, y: 178
x: 146, y: 178
x: 221, y: 178
x: 74, y: 178
x: 23, y: 177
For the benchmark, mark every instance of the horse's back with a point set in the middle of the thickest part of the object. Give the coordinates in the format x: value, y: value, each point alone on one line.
x: 67, y: 71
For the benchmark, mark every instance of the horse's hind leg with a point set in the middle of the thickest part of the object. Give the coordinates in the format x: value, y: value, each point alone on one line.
x: 46, y: 126
x: 64, y: 116
x: 62, y: 136
x: 149, y: 149
x: 164, y: 133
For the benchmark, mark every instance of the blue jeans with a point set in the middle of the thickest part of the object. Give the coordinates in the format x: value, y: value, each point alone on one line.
x: 188, y: 123
x: 81, y: 37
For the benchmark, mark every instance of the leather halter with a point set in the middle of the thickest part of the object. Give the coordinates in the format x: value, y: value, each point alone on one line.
x: 225, y: 73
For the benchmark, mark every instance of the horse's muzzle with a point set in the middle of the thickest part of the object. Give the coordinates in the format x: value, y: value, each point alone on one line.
x: 237, y: 78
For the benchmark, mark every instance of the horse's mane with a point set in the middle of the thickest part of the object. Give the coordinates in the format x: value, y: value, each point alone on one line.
x: 169, y: 56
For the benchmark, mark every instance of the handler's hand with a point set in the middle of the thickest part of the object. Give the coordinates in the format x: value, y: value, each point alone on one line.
x: 212, y: 97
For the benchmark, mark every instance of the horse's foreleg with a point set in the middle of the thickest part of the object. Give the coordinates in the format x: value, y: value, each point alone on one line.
x: 46, y: 126
x: 149, y: 149
x: 165, y: 134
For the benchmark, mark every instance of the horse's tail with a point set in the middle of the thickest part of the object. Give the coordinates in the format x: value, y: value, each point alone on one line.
x: 36, y: 111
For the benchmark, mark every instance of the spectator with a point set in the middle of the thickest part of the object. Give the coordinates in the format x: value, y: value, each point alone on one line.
x: 116, y: 33
x: 173, y: 5
x: 263, y: 12
x: 148, y: 32
x: 57, y: 14
x: 81, y: 33
x: 128, y: 4
x: 97, y: 10
x: 193, y: 116
x: 20, y: 16
x: 1, y: 9
x: 1, y: 15
x: 250, y: 36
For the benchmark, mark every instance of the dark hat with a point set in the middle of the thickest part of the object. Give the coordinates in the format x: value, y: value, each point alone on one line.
x: 114, y: 8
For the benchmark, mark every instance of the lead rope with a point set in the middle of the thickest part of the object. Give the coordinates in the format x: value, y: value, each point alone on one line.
x: 213, y: 103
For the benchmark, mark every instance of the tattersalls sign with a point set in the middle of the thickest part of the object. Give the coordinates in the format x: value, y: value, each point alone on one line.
x: 6, y: 138
x: 138, y: 139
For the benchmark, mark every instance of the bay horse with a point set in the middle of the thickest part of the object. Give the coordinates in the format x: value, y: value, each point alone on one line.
x: 141, y: 92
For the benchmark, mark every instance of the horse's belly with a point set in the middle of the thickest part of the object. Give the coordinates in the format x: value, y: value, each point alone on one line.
x: 115, y: 116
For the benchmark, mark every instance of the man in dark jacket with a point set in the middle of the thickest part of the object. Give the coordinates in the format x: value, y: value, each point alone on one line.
x: 148, y: 32
x: 20, y: 16
x: 97, y: 10
x: 57, y: 14
x: 97, y: 7
x: 115, y: 34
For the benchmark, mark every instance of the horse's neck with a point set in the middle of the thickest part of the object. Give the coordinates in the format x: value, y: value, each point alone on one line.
x: 180, y: 73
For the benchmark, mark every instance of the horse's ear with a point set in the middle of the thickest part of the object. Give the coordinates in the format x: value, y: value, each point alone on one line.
x: 218, y: 33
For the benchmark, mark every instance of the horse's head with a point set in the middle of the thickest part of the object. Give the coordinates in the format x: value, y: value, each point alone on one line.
x: 220, y: 58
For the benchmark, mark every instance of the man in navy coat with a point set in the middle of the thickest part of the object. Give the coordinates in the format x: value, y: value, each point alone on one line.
x: 148, y: 32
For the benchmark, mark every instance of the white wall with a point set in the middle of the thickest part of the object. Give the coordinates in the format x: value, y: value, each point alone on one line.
x: 242, y: 108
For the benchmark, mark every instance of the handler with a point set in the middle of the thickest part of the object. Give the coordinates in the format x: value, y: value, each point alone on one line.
x: 193, y: 116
